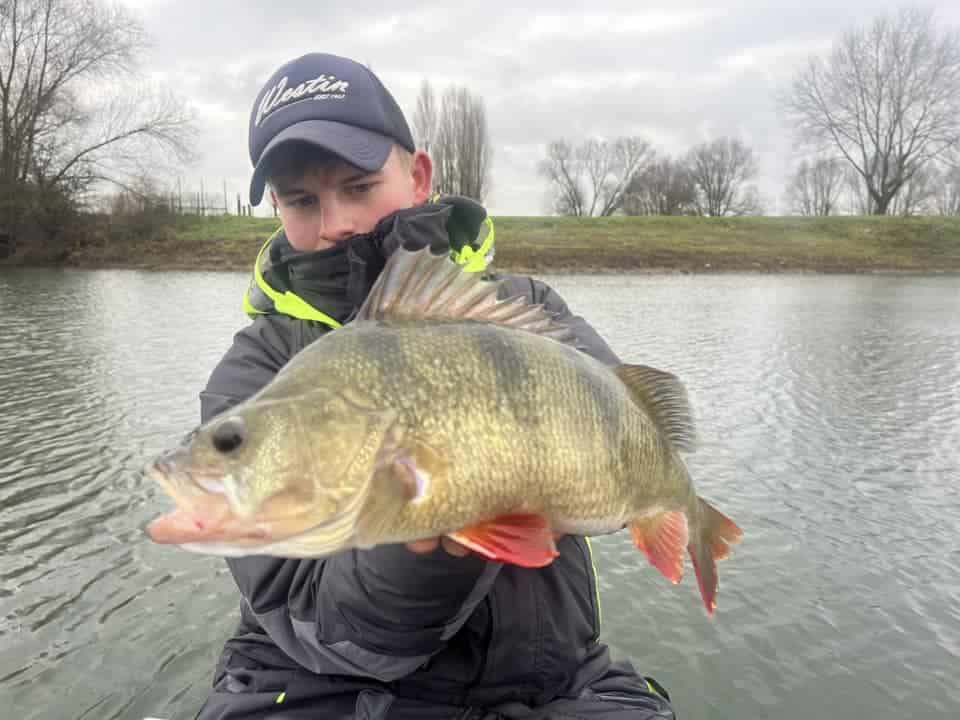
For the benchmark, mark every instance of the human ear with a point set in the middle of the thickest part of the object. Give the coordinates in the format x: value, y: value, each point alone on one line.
x: 421, y: 170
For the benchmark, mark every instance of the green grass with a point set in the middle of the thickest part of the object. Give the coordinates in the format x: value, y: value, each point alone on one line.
x: 704, y: 244
x: 542, y: 244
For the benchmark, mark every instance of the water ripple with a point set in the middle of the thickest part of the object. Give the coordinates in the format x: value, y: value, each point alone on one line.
x: 827, y: 409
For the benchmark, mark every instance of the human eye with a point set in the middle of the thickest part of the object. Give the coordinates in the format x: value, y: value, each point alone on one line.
x: 361, y: 188
x: 302, y: 201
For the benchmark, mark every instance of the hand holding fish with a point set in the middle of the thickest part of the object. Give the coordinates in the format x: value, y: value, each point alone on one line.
x: 428, y: 545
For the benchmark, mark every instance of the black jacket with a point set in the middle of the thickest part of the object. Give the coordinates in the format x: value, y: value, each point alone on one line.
x: 386, y: 633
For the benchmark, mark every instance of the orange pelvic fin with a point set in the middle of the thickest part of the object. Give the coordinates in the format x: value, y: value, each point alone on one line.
x: 663, y: 539
x: 523, y: 539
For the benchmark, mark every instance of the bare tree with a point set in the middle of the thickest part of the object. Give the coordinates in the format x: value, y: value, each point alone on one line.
x: 58, y: 130
x: 917, y: 195
x: 859, y: 201
x: 664, y: 187
x: 143, y: 195
x: 591, y: 179
x: 947, y: 196
x: 425, y: 117
x: 610, y: 167
x: 720, y: 170
x: 816, y: 187
x: 887, y: 99
x: 461, y: 148
x: 563, y: 171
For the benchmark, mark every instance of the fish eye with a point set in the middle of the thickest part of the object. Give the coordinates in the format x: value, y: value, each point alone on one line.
x: 229, y: 435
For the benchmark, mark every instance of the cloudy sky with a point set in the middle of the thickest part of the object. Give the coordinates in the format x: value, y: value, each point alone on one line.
x: 675, y: 73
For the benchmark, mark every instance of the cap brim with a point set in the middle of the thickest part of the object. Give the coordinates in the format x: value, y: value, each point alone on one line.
x: 365, y: 149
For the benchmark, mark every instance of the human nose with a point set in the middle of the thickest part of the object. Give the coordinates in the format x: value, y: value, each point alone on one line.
x: 336, y: 223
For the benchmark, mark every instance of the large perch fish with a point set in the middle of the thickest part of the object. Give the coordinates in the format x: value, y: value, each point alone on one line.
x: 442, y: 410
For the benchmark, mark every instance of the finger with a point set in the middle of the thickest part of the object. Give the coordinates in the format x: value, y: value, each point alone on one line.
x: 454, y: 548
x: 422, y: 547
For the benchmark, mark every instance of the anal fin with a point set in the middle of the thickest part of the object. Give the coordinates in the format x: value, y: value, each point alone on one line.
x: 663, y: 539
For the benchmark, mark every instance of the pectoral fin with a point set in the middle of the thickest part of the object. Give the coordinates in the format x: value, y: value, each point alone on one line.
x: 522, y: 539
x: 404, y: 473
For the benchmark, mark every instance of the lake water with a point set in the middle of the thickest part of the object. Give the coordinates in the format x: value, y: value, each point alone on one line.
x: 829, y: 415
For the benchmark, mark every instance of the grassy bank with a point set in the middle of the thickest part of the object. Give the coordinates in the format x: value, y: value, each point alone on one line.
x: 546, y: 244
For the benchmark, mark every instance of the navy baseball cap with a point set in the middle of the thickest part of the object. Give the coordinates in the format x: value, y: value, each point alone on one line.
x: 328, y: 101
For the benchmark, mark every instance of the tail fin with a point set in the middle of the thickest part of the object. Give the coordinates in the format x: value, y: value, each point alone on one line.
x: 714, y: 534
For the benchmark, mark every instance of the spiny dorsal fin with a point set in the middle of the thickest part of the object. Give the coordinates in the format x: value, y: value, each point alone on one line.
x: 418, y: 285
x: 664, y: 398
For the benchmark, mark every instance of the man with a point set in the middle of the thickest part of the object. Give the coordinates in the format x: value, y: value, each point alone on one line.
x: 398, y: 632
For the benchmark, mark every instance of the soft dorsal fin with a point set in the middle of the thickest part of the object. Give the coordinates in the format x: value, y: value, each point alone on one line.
x: 664, y: 398
x: 418, y: 285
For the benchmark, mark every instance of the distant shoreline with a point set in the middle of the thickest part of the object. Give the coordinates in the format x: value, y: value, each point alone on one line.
x: 540, y: 269
x: 553, y: 245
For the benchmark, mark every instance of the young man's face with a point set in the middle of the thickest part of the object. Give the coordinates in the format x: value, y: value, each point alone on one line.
x: 336, y: 200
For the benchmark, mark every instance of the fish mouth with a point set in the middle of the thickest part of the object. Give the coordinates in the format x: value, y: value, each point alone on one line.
x: 182, y: 527
x: 205, y: 521
x: 203, y: 510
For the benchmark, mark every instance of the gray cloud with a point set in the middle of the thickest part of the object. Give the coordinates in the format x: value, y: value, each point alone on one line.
x: 677, y: 74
